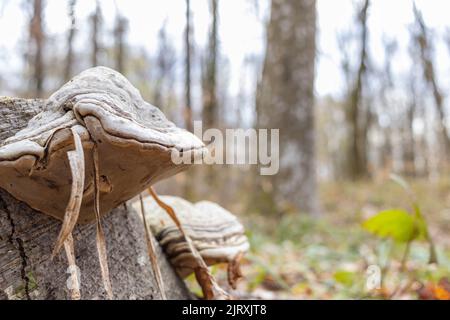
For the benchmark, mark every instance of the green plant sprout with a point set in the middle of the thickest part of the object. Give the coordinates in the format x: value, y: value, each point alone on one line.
x: 401, y: 226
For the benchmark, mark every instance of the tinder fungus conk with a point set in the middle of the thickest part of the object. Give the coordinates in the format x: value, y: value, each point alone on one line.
x: 133, y: 139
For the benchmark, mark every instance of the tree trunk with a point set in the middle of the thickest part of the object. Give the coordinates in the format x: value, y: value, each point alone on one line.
x: 426, y: 54
x: 286, y: 102
x: 188, y: 63
x: 119, y: 38
x: 357, y: 153
x: 164, y: 71
x: 37, y: 39
x: 387, y: 85
x: 210, y: 71
x: 96, y: 20
x: 70, y: 40
x: 409, y: 168
x: 27, y: 238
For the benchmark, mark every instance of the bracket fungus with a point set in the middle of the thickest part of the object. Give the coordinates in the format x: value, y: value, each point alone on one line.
x: 92, y: 145
x: 216, y: 233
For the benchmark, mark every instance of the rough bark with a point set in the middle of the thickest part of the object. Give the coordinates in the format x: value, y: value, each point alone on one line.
x: 27, y: 272
x: 286, y: 101
x: 15, y: 114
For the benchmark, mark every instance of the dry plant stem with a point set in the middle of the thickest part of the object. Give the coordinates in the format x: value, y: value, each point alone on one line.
x: 76, y: 161
x: 234, y: 272
x: 407, y: 286
x: 152, y: 252
x: 433, y: 255
x: 100, y: 239
x: 385, y: 268
x: 402, y: 268
x: 74, y: 276
x: 210, y: 288
x: 204, y: 279
x: 405, y: 256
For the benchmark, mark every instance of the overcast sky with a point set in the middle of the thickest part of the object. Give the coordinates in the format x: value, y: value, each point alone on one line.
x: 241, y: 32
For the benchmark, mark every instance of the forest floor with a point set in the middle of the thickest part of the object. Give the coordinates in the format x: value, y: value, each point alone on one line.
x: 297, y: 257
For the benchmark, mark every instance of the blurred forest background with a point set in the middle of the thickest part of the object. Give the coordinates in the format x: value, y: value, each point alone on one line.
x: 357, y: 88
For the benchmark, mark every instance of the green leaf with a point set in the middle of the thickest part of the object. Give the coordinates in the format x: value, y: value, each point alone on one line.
x: 344, y: 277
x: 421, y: 224
x: 397, y: 224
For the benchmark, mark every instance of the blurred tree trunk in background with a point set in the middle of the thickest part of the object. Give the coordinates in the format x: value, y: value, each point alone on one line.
x: 96, y: 20
x: 70, y: 37
x: 416, y: 91
x: 210, y: 71
x: 37, y: 39
x: 161, y: 66
x: 286, y: 102
x: 164, y: 71
x: 426, y: 54
x: 387, y: 84
x: 187, y: 69
x: 119, y: 40
x: 188, y: 190
x: 409, y: 157
x: 357, y: 119
x: 209, y: 92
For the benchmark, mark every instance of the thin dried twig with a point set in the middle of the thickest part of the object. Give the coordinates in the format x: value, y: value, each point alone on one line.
x: 74, y: 276
x: 100, y: 239
x: 234, y: 270
x: 152, y: 252
x: 77, y: 167
x: 210, y: 288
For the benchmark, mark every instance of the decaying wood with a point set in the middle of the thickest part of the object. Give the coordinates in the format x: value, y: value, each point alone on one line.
x: 27, y: 272
x: 152, y: 251
x: 15, y: 114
